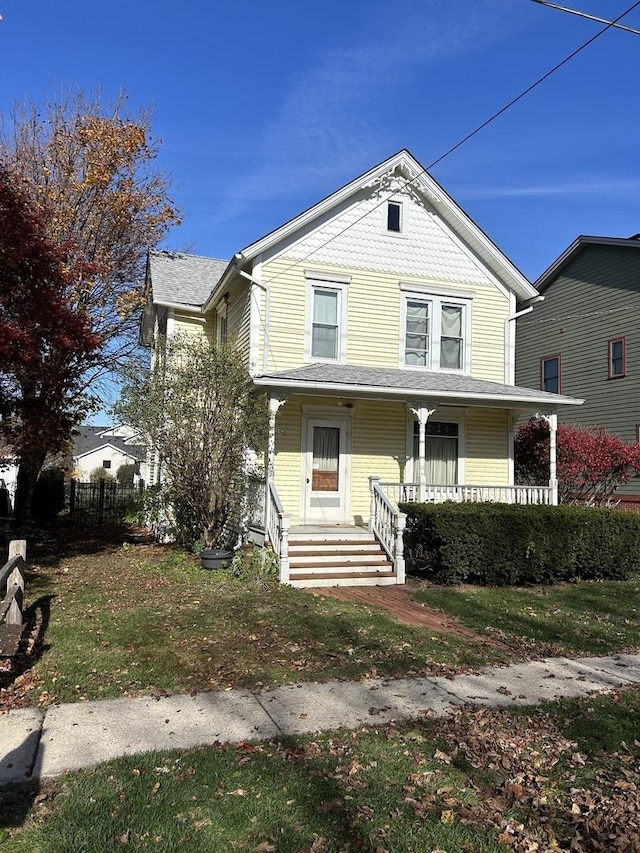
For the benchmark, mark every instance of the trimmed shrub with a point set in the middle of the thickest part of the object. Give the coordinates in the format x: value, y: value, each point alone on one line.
x: 502, y: 544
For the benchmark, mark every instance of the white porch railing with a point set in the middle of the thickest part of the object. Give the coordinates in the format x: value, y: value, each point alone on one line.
x: 410, y: 493
x: 387, y: 523
x: 277, y: 528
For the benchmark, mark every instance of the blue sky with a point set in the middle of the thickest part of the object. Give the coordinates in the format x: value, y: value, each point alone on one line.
x: 264, y: 108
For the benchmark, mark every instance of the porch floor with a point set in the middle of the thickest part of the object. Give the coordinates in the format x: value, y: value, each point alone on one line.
x: 328, y: 529
x: 397, y: 601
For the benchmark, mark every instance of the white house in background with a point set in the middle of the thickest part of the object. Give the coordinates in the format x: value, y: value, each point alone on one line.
x: 8, y: 480
x: 107, y: 447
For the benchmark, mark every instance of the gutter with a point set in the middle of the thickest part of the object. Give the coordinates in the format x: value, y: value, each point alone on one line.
x: 510, y: 341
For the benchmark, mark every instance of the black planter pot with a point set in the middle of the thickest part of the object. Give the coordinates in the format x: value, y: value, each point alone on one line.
x: 215, y: 558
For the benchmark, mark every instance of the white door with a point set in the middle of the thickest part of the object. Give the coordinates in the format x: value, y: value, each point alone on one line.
x: 325, y: 470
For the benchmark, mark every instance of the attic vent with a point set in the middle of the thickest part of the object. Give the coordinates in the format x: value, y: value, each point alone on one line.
x: 394, y: 217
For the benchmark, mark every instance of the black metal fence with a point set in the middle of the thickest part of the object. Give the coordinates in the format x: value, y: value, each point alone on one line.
x: 103, y: 502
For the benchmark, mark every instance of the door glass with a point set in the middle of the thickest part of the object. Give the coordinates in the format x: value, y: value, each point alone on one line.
x: 326, y: 451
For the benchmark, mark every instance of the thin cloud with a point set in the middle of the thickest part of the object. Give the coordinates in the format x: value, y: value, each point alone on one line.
x: 601, y: 186
x: 333, y: 121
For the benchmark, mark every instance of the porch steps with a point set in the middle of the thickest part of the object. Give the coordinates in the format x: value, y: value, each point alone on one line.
x: 338, y: 558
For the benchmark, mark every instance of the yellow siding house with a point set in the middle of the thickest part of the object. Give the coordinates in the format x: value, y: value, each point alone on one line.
x: 380, y: 323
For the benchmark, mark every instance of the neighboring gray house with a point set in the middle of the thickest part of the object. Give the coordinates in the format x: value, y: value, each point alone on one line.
x: 108, y: 448
x: 583, y: 340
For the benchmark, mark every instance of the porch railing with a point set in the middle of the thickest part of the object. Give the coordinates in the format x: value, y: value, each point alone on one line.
x: 387, y: 523
x: 410, y: 493
x: 277, y: 528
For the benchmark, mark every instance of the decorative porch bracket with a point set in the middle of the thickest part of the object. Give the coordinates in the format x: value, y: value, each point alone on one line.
x: 422, y: 412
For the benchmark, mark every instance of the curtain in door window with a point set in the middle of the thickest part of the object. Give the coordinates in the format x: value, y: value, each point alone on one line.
x: 326, y: 454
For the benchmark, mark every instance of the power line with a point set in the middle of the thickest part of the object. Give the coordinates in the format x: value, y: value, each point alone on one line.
x: 581, y: 14
x: 470, y: 135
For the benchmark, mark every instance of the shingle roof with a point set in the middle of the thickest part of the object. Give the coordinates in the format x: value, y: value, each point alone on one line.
x: 183, y: 279
x: 88, y: 438
x: 397, y: 382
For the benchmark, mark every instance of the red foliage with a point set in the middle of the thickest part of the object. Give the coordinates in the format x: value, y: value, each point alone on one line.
x: 45, y: 345
x: 591, y: 463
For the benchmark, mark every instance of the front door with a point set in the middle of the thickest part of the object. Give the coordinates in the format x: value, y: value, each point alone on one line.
x: 325, y: 470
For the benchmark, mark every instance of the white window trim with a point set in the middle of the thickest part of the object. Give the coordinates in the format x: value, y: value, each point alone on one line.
x: 436, y: 298
x: 447, y: 417
x: 341, y: 287
x: 404, y: 212
x: 222, y: 310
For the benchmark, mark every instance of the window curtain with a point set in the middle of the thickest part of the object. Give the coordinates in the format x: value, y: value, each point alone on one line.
x: 442, y: 460
x: 417, y: 334
x: 326, y: 443
x: 325, y: 324
x: 451, y: 337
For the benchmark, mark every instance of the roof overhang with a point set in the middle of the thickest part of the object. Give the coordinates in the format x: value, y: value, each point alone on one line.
x: 405, y: 388
x: 580, y: 243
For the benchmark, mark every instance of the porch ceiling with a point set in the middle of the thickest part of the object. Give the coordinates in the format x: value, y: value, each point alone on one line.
x: 397, y: 384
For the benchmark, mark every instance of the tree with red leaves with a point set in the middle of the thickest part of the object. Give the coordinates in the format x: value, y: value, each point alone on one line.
x: 45, y: 344
x: 591, y: 463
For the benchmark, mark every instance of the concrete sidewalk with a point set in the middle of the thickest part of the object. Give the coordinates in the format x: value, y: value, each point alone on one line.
x: 36, y: 743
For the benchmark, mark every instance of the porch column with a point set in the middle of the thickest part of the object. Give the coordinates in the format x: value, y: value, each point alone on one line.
x: 422, y: 411
x: 552, y: 420
x: 275, y: 401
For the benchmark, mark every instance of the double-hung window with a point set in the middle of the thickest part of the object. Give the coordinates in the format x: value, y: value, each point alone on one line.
x: 435, y: 331
x: 326, y: 320
x: 617, y: 358
x: 550, y: 376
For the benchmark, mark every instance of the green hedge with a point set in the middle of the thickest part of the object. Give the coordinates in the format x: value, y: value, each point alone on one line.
x: 501, y: 544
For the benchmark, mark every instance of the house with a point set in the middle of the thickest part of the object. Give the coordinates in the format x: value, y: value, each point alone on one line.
x: 108, y: 448
x: 380, y: 325
x: 583, y: 339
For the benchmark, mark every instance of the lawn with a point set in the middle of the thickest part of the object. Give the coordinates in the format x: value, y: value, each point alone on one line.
x: 125, y: 617
x: 558, y: 777
x: 120, y: 616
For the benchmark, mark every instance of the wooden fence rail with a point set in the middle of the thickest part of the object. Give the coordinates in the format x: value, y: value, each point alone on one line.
x: 12, y: 574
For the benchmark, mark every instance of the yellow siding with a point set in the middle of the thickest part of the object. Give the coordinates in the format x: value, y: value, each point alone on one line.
x: 379, y: 447
x: 373, y: 318
x: 487, y: 447
x: 192, y: 324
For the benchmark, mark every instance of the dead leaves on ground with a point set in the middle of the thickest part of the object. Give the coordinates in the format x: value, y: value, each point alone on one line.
x: 531, y: 785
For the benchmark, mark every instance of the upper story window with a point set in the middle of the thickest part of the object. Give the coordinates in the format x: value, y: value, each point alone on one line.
x: 394, y: 217
x: 436, y: 332
x: 550, y: 376
x: 617, y: 358
x: 326, y: 320
x: 222, y: 326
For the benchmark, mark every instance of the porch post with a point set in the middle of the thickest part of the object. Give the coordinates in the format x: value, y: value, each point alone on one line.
x: 275, y: 402
x: 552, y: 420
x: 422, y: 412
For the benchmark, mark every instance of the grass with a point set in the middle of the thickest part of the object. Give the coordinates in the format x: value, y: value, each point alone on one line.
x: 113, y: 618
x: 584, y: 618
x: 128, y: 619
x: 481, y: 780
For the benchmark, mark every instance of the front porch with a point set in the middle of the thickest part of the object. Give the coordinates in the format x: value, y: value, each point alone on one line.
x: 329, y: 555
x: 429, y: 438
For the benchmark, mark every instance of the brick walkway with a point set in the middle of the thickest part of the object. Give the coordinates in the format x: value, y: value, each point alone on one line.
x: 397, y: 601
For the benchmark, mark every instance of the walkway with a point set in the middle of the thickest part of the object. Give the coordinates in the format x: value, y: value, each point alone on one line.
x: 398, y: 601
x: 37, y: 743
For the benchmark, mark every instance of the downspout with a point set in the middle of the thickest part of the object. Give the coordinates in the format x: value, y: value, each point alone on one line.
x: 263, y: 287
x: 509, y: 343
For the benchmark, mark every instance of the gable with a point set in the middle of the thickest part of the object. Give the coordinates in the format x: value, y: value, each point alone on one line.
x: 401, y: 175
x: 355, y: 236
